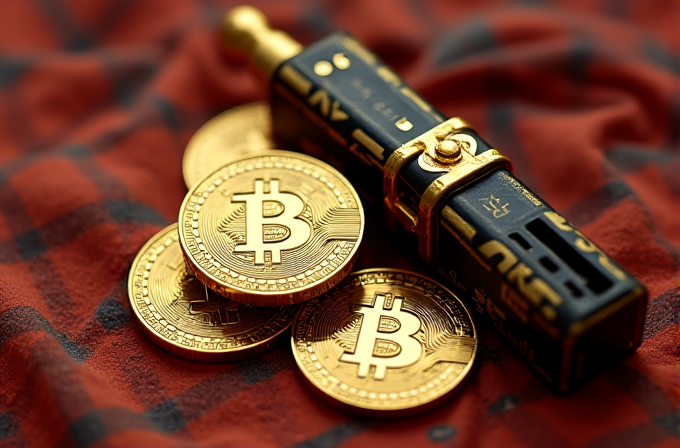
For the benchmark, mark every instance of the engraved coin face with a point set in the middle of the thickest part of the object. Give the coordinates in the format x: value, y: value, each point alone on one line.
x: 385, y: 343
x: 272, y: 229
x: 227, y: 137
x: 186, y: 319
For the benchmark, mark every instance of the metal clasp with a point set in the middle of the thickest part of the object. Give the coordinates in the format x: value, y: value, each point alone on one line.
x: 441, y: 149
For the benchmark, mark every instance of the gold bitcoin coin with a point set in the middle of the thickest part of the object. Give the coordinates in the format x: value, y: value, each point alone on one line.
x: 272, y: 229
x: 186, y: 319
x: 227, y: 137
x: 385, y: 343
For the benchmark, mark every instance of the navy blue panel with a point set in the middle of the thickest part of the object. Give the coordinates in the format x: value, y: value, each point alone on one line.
x: 539, y: 246
x: 372, y: 104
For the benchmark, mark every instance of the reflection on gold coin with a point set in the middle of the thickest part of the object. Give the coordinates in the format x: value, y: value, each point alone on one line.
x: 272, y: 229
x: 385, y: 343
x: 185, y: 318
x: 227, y: 137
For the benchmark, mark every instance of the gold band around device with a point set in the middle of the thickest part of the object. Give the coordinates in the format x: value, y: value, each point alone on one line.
x: 460, y: 173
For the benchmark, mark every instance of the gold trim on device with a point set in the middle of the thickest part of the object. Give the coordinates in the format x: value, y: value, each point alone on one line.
x: 457, y: 173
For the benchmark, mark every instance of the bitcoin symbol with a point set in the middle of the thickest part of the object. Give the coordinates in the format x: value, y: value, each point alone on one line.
x: 220, y: 311
x: 272, y: 222
x: 385, y: 337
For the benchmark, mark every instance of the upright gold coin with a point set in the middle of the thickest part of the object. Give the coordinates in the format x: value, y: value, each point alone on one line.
x: 385, y: 343
x: 272, y: 229
x: 186, y: 319
x: 227, y: 137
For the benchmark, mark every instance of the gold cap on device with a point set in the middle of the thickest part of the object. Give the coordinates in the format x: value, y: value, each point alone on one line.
x: 246, y: 29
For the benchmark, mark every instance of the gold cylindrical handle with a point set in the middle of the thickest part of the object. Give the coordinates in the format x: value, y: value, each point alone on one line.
x: 246, y: 29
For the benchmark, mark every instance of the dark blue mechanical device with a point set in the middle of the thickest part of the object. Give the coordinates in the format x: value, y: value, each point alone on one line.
x: 564, y: 305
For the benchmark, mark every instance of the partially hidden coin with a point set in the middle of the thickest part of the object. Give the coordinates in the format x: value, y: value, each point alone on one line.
x: 385, y: 343
x: 227, y: 137
x: 186, y: 319
x: 272, y: 229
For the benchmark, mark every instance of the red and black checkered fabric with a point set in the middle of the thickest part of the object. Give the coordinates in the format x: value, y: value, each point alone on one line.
x: 98, y: 100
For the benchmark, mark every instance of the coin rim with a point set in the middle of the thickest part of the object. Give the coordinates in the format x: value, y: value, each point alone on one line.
x: 191, y: 150
x: 396, y: 412
x: 197, y: 354
x: 274, y: 298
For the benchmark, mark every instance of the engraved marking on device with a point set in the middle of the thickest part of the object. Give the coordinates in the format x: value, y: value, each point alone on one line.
x: 274, y: 210
x: 493, y: 205
x: 385, y: 337
x: 386, y: 111
x: 519, y: 274
x: 364, y: 91
x: 295, y: 80
x: 310, y: 114
x: 369, y: 143
x: 389, y: 76
x: 585, y: 245
x: 330, y: 110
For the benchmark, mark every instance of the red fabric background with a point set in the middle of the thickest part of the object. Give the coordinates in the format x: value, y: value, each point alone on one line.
x: 98, y: 100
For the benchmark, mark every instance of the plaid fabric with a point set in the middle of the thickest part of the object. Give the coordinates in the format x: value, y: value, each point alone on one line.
x: 97, y: 102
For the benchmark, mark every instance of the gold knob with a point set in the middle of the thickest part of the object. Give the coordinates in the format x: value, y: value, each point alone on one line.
x: 246, y: 29
x: 447, y: 151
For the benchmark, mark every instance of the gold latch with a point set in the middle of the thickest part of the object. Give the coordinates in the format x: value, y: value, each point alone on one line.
x: 443, y: 149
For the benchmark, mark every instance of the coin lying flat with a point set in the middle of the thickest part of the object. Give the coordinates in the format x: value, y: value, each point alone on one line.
x: 385, y: 343
x: 227, y: 137
x: 272, y: 229
x: 186, y: 319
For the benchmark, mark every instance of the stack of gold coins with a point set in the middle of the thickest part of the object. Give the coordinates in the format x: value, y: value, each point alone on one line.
x: 262, y: 230
x: 187, y: 319
x: 259, y: 231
